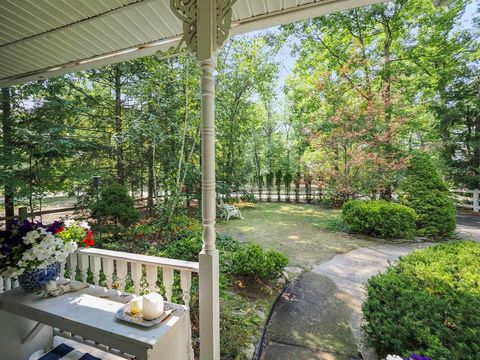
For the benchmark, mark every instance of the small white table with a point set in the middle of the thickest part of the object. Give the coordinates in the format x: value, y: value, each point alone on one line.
x: 90, y: 313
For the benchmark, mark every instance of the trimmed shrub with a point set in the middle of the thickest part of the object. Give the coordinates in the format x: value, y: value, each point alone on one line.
x: 428, y: 304
x: 252, y: 261
x: 380, y: 218
x: 115, y: 203
x: 236, y: 258
x: 424, y: 190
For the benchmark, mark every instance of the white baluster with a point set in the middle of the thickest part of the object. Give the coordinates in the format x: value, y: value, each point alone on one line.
x: 152, y: 276
x: 96, y: 266
x: 168, y: 282
x: 186, y: 284
x: 15, y: 283
x: 62, y: 269
x: 108, y: 271
x: 72, y: 265
x: 83, y: 266
x: 8, y: 284
x: 122, y: 272
x: 136, y: 274
x: 1, y: 284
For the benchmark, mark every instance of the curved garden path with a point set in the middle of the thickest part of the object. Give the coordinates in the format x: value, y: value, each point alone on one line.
x: 320, y: 313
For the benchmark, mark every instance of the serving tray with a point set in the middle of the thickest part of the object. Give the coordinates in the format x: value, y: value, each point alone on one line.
x: 124, y: 314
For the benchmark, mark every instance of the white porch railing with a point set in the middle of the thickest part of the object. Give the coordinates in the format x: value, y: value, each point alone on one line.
x: 123, y: 271
x: 468, y: 199
x: 120, y: 268
x: 142, y: 270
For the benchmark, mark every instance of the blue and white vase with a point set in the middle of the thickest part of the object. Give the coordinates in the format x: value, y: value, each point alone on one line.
x: 35, y: 280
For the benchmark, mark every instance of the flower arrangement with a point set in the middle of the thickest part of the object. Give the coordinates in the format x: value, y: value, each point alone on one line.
x: 28, y: 246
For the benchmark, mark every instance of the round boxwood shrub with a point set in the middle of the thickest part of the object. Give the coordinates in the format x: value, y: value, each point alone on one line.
x: 115, y: 203
x: 379, y: 218
x: 253, y: 261
x: 429, y: 304
x: 424, y: 190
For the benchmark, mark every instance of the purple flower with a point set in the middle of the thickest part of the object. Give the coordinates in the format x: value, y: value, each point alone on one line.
x: 5, y: 249
x: 55, y: 226
x: 418, y: 357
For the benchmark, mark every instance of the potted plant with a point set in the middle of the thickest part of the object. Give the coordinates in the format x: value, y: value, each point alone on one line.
x: 33, y: 252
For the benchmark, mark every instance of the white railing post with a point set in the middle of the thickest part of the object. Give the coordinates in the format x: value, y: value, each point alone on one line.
x: 476, y: 205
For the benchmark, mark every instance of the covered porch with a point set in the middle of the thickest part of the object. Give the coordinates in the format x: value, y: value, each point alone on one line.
x: 55, y: 38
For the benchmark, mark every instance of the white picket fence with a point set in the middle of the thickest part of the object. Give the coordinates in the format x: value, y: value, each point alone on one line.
x: 468, y: 199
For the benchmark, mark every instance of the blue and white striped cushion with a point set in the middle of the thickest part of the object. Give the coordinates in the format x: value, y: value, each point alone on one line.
x: 65, y: 352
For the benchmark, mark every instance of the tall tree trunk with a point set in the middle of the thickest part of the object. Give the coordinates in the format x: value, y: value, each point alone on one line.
x: 7, y: 155
x: 118, y: 126
x: 386, y: 193
x: 150, y: 185
x: 477, y: 143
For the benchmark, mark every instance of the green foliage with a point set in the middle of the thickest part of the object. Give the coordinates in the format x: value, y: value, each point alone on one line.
x: 424, y: 190
x: 379, y: 218
x: 238, y: 324
x: 278, y: 178
x: 269, y: 180
x: 236, y: 259
x: 180, y: 227
x: 184, y: 249
x: 252, y: 261
x: 334, y: 223
x: 115, y: 203
x: 427, y: 304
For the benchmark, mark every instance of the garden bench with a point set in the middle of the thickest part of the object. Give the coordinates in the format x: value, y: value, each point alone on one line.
x: 228, y: 211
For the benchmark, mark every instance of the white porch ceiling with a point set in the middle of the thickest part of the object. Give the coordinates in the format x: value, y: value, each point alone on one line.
x: 39, y: 39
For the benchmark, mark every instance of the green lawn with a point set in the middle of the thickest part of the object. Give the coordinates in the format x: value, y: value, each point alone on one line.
x: 293, y: 229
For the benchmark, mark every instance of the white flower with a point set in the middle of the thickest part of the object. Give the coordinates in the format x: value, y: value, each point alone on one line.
x: 84, y: 224
x: 393, y: 357
x: 30, y: 237
x: 69, y: 222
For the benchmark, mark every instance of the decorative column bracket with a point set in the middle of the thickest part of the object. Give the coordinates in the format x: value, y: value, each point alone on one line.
x: 187, y: 11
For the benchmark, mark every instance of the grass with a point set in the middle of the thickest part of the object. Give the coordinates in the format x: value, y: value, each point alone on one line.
x: 307, y: 234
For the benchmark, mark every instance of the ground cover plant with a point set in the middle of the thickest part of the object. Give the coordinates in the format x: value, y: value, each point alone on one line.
x: 428, y: 304
x: 248, y: 274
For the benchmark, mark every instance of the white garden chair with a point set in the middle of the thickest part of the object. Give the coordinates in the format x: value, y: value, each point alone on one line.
x: 228, y: 211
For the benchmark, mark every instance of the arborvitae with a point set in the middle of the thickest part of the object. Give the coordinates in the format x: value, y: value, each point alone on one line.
x: 424, y: 190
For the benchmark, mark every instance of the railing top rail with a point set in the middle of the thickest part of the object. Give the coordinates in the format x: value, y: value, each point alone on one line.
x: 144, y: 259
x: 465, y: 191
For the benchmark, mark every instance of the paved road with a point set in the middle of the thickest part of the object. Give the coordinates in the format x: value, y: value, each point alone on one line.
x: 468, y: 226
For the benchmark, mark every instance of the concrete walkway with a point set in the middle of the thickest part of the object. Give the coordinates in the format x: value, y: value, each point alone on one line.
x: 319, y: 316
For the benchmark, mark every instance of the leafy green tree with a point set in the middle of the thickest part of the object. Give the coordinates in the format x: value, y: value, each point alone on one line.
x: 246, y: 68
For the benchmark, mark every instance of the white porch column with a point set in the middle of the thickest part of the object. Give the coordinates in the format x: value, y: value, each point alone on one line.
x: 206, y: 24
x: 208, y: 258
